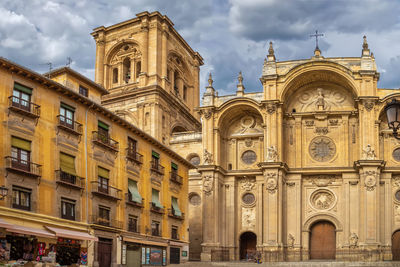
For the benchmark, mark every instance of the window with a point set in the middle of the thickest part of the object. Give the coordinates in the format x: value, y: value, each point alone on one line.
x: 115, y: 75
x: 138, y: 69
x: 127, y: 69
x: 184, y: 92
x: 20, y: 153
x: 176, y: 82
x: 67, y: 115
x: 133, y: 192
x: 21, y: 97
x: 103, y: 132
x: 155, y: 228
x: 133, y: 224
x: 68, y: 209
x: 83, y: 91
x: 67, y: 167
x: 175, y: 207
x: 21, y: 198
x: 103, y: 179
x: 155, y: 199
x: 132, y: 146
x: 155, y: 160
x: 104, y: 215
x: 174, y: 232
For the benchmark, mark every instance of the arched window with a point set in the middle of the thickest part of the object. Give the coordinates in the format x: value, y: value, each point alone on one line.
x: 176, y: 76
x: 138, y: 69
x: 115, y: 75
x: 127, y: 69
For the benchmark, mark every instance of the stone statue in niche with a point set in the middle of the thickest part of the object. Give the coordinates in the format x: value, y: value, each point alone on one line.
x: 290, y: 242
x: 320, y: 103
x: 208, y: 184
x: 248, y: 217
x: 353, y: 240
x: 208, y: 159
x: 272, y: 155
x: 369, y: 153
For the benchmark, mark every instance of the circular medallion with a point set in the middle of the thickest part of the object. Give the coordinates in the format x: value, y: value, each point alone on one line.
x: 247, y: 121
x: 249, y: 157
x: 248, y: 198
x: 322, y: 199
x: 397, y: 195
x: 195, y: 160
x: 322, y: 148
x: 194, y: 199
x: 396, y: 154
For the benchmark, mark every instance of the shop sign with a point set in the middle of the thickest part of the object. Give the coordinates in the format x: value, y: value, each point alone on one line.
x: 164, y: 257
x: 184, y: 253
x: 143, y: 255
x: 147, y: 255
x: 123, y: 254
x: 155, y: 256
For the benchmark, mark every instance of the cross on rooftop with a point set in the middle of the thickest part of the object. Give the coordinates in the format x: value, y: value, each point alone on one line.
x: 316, y: 35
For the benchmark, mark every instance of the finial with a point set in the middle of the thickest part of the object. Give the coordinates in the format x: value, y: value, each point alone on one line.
x: 365, y: 44
x: 240, y: 78
x: 271, y: 49
x: 210, y: 80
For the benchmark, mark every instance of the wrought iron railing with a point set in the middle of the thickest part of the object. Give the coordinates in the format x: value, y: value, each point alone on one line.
x: 69, y: 124
x: 129, y: 200
x: 23, y: 105
x: 157, y: 167
x: 106, y: 191
x: 69, y: 179
x: 105, y: 140
x: 95, y: 219
x: 174, y: 177
x: 154, y: 208
x: 23, y: 166
x: 133, y: 227
x: 172, y: 213
x: 134, y: 156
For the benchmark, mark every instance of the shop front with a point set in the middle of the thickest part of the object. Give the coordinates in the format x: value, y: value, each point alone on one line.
x: 138, y: 252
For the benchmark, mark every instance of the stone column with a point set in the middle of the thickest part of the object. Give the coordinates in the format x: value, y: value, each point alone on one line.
x: 145, y: 56
x: 100, y: 64
x: 164, y: 56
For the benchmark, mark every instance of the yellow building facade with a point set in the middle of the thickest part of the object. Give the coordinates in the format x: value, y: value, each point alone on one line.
x: 84, y: 185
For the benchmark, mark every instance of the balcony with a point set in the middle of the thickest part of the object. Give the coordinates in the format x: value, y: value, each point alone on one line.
x: 109, y: 192
x: 23, y: 167
x: 24, y: 107
x: 174, y: 177
x: 171, y: 213
x: 174, y: 235
x: 69, y: 180
x: 156, y: 209
x: 155, y: 232
x: 134, y: 156
x: 130, y: 201
x: 69, y: 125
x: 94, y: 219
x: 133, y: 227
x: 105, y: 141
x: 156, y: 167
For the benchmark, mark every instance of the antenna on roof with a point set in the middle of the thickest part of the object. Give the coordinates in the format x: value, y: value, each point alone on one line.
x: 50, y: 68
x: 69, y: 61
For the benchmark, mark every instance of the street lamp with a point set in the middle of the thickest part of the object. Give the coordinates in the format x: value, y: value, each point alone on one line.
x: 3, y: 192
x: 392, y: 110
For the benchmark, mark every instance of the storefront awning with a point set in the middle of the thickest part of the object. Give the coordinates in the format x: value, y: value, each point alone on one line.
x: 30, y: 231
x: 4, y: 224
x: 146, y: 242
x: 59, y: 232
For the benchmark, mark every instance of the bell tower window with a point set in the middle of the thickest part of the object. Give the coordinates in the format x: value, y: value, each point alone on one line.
x: 176, y: 76
x: 115, y: 75
x: 127, y: 69
x: 138, y: 69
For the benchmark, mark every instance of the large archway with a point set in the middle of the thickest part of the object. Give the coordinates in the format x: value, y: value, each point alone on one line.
x: 396, y: 246
x: 323, y: 241
x: 248, y: 242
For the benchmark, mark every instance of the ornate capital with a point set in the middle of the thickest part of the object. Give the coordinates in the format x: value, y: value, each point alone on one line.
x: 271, y: 108
x: 206, y: 113
x: 369, y: 104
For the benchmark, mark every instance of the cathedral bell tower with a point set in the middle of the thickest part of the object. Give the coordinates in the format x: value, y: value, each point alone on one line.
x: 151, y: 74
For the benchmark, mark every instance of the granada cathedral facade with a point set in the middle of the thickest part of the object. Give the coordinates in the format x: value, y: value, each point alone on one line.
x: 304, y: 169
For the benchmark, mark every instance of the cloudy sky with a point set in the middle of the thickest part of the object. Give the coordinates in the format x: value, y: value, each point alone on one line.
x: 231, y: 35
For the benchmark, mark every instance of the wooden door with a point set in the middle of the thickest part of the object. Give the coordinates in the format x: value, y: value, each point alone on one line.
x: 174, y: 256
x: 323, y: 241
x: 104, y: 252
x: 396, y: 246
x: 133, y: 257
x: 248, y: 242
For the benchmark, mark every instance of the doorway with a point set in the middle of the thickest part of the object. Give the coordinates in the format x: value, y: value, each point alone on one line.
x: 133, y: 256
x: 248, y: 242
x: 396, y: 246
x: 174, y: 255
x: 104, y: 249
x: 323, y: 241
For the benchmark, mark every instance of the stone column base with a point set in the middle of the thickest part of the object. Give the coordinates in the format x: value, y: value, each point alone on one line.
x: 273, y: 254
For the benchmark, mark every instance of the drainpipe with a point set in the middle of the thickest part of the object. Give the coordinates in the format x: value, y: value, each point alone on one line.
x: 86, y: 164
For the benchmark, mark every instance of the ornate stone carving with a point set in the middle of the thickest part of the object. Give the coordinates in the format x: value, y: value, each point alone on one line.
x: 309, y: 123
x: 396, y: 181
x: 208, y: 184
x: 353, y: 240
x: 333, y: 122
x: 369, y: 153
x: 208, y: 157
x: 247, y: 122
x: 290, y: 241
x: 247, y: 184
x: 271, y: 182
x: 322, y: 148
x: 272, y: 154
x: 397, y: 214
x: 248, y: 217
x: 207, y: 113
x: 271, y: 108
x: 248, y: 142
x: 322, y: 199
x: 368, y: 104
x: 370, y: 180
x: 322, y: 180
x: 321, y: 130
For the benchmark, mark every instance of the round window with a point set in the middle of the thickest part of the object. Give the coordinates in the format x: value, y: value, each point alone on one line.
x: 397, y: 195
x: 195, y: 160
x: 249, y: 157
x: 248, y: 198
x: 194, y: 199
x: 396, y: 154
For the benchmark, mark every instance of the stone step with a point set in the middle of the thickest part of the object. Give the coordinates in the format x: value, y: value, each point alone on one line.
x: 288, y: 264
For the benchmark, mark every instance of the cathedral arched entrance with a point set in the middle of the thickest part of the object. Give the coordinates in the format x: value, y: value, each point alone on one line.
x: 322, y: 241
x: 248, y: 242
x: 396, y: 246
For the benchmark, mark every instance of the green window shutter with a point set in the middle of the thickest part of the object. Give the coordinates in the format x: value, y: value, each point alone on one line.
x: 103, y: 172
x: 174, y: 202
x: 22, y: 88
x: 21, y: 143
x: 67, y: 163
x: 103, y: 125
x: 174, y: 166
x: 132, y: 187
x: 67, y: 107
x: 155, y: 154
x: 155, y: 198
